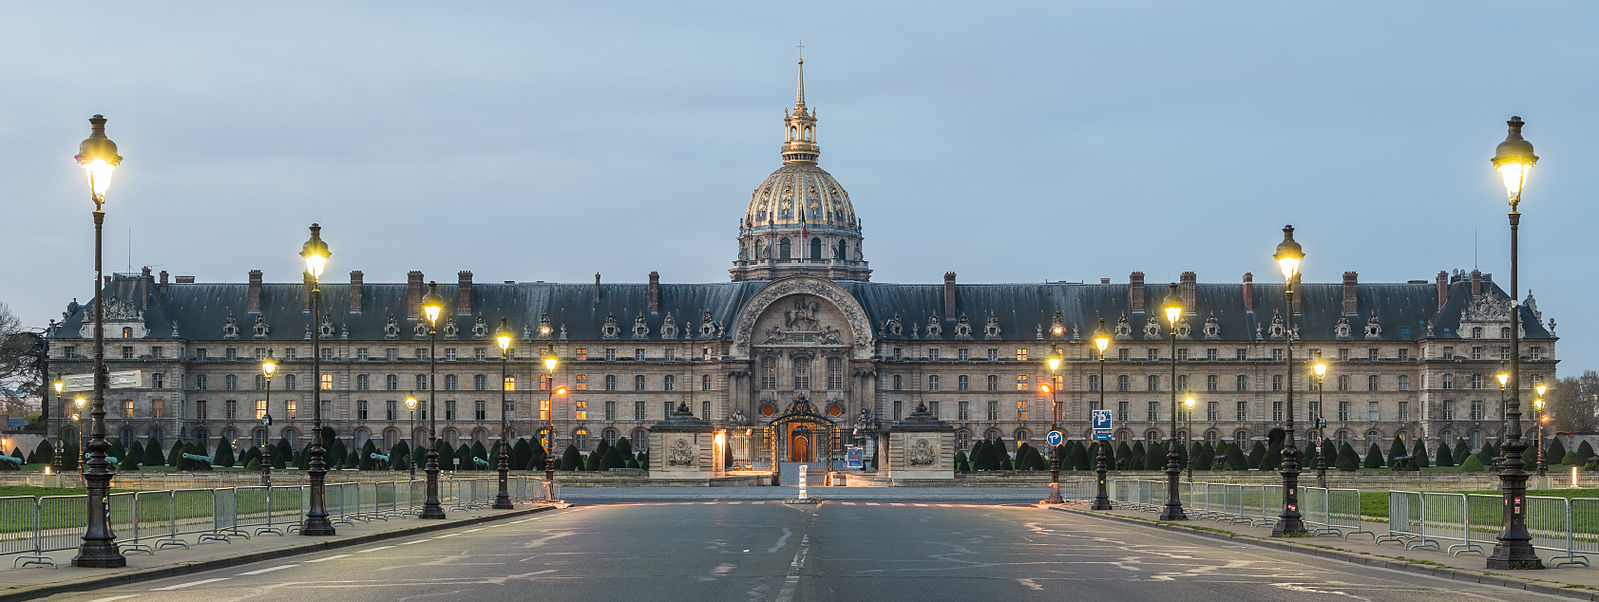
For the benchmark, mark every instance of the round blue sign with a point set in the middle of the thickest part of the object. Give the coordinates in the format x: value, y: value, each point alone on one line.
x: 1054, y: 438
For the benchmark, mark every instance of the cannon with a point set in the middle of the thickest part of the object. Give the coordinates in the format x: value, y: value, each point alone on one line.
x: 379, y: 457
x: 480, y: 461
x: 204, y: 460
x: 17, y: 461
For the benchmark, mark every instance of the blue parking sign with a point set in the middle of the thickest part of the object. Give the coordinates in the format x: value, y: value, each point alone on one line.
x: 1101, y: 419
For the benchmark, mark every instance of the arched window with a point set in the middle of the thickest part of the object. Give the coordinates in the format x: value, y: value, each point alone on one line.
x: 807, y: 132
x: 640, y: 440
x: 783, y: 251
x: 991, y: 434
x: 843, y: 250
x: 816, y: 248
x: 580, y: 438
x: 127, y: 332
x: 705, y: 382
x: 802, y: 374
x: 963, y: 439
x: 1211, y: 437
x: 760, y: 250
x: 1152, y: 436
x: 793, y: 133
x: 610, y: 436
x: 1241, y: 438
x: 1021, y: 435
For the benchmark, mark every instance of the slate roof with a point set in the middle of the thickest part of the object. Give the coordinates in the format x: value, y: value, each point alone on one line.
x: 200, y: 310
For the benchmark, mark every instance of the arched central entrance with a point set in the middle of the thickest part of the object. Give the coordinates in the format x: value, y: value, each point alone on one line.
x: 799, y: 444
x: 801, y: 435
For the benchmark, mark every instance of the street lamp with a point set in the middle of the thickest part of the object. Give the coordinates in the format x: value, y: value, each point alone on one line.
x: 1101, y: 498
x: 410, y: 461
x: 55, y: 454
x: 1320, y: 369
x: 98, y: 156
x: 269, y: 366
x: 1513, y: 159
x: 79, y: 428
x: 432, y: 307
x: 550, y: 363
x: 1537, y: 404
x: 315, y: 253
x: 1188, y: 419
x: 503, y: 338
x: 1504, y: 378
x: 1289, y: 521
x: 1054, y: 362
x: 1173, y: 307
x: 82, y: 454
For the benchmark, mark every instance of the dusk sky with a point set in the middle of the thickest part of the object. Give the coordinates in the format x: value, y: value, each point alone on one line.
x: 1009, y: 142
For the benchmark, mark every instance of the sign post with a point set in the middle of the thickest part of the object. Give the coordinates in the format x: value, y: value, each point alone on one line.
x: 1102, y: 425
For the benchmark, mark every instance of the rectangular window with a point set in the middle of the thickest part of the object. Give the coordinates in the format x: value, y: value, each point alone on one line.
x: 1122, y: 411
x: 158, y: 381
x: 963, y: 411
x: 1476, y: 410
x: 1276, y: 355
x: 391, y: 354
x: 963, y: 383
x: 199, y: 410
x: 1152, y: 354
x: 1242, y: 409
x: 835, y: 373
x: 449, y: 353
x: 230, y: 382
x: 705, y: 382
x: 638, y: 354
x: 610, y: 382
x: 1343, y: 382
x: 580, y: 382
x: 993, y: 354
x: 1241, y: 354
x: 1021, y: 410
x: 450, y: 382
x: 360, y: 409
x: 1404, y: 411
x: 963, y: 354
x: 582, y: 409
x: 156, y: 352
x: 932, y: 354
x: 932, y: 382
x: 638, y: 410
x: 1371, y: 353
x: 127, y: 408
x: 1210, y: 382
x: 1404, y: 383
x: 1093, y: 382
x: 1122, y: 355
x: 480, y: 410
x: 638, y: 382
x: 1476, y: 381
x: 127, y: 352
x: 669, y: 383
x: 230, y: 410
x: 993, y: 382
x: 1276, y: 382
x: 1210, y: 354
x: 580, y: 353
x: 1372, y: 382
x: 260, y: 409
x: 200, y: 382
x: 932, y: 408
x: 1404, y: 354
x: 1021, y: 354
x: 289, y: 409
x: 1315, y: 411
x: 1152, y: 410
x: 1212, y: 411
x: 544, y: 409
x: 898, y: 409
x: 1182, y: 355
x: 610, y: 411
x: 768, y: 373
x: 230, y: 353
x: 1152, y: 383
x: 1243, y: 382
x: 993, y: 411
x: 327, y: 382
x: 478, y: 353
x: 1371, y: 411
x: 1021, y: 382
x: 1343, y: 354
x: 449, y: 410
x: 389, y: 408
x: 1343, y: 411
x: 1123, y: 383
x: 1449, y: 353
x: 361, y: 382
x: 327, y: 353
x: 1276, y: 411
x: 1182, y: 382
x: 610, y: 354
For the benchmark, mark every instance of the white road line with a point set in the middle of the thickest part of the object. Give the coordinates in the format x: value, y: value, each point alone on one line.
x: 189, y: 584
x: 450, y: 535
x: 791, y: 583
x: 412, y: 542
x: 269, y: 569
x: 372, y: 549
x: 327, y: 558
x: 849, y: 503
x: 116, y: 598
x: 734, y: 503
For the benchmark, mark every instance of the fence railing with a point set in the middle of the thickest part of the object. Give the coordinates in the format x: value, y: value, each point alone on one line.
x: 149, y: 521
x: 1451, y: 523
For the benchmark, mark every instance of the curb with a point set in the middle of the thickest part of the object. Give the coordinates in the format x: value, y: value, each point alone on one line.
x: 91, y: 583
x: 1444, y: 572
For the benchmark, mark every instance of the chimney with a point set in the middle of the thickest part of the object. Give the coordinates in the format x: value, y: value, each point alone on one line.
x: 1249, y: 291
x: 596, y: 287
x: 413, y: 293
x: 655, y: 292
x: 1135, y: 291
x: 1443, y: 288
x: 1351, y: 283
x: 357, y: 290
x: 255, y: 291
x: 144, y: 287
x: 1104, y: 281
x: 463, y: 292
x: 183, y: 279
x: 949, y: 295
x: 1476, y: 282
x: 163, y: 281
x: 1189, y: 291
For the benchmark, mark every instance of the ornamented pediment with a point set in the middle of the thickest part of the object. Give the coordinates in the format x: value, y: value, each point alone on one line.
x: 1057, y: 325
x: 963, y: 328
x: 260, y: 329
x: 991, y: 329
x: 545, y: 329
x: 610, y: 330
x: 450, y: 329
x: 123, y: 310
x: 1277, y: 329
x: 894, y: 326
x: 326, y: 329
x: 1486, y: 308
x: 803, y: 315
x: 669, y: 327
x: 1152, y: 329
x: 230, y: 326
x: 480, y: 328
x: 1184, y: 330
x: 391, y: 329
x: 1212, y: 327
x: 764, y: 306
x: 935, y: 327
x: 1342, y: 329
x: 419, y: 331
x: 707, y: 325
x: 1124, y: 328
x: 1374, y: 329
x: 641, y: 330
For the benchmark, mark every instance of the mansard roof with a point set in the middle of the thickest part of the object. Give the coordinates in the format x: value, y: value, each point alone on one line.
x: 200, y: 311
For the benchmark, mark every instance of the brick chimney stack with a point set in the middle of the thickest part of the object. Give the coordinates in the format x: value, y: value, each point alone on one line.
x: 1443, y: 288
x: 1249, y: 291
x: 1189, y: 289
x: 1351, y: 285
x: 144, y: 287
x: 1476, y: 282
x: 949, y: 295
x: 357, y: 290
x: 163, y: 281
x: 1135, y: 291
x: 413, y: 293
x: 463, y: 292
x: 255, y: 291
x: 596, y: 287
x: 655, y: 292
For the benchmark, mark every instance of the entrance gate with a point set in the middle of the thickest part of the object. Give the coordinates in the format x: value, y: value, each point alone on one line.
x: 802, y: 435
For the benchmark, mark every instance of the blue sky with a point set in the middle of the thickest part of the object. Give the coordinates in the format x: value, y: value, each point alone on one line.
x: 1009, y: 142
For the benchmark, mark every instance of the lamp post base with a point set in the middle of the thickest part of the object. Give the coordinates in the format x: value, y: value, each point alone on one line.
x: 99, y: 555
x: 1054, y: 487
x: 317, y: 525
x: 1174, y: 504
x: 430, y: 507
x: 502, y: 501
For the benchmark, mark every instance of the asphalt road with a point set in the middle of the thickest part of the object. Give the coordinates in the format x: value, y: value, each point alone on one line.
x: 766, y: 550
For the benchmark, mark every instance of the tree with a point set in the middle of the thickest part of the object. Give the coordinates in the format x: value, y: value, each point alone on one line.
x: 1024, y: 456
x: 367, y: 462
x: 1472, y: 464
x: 1572, y: 402
x: 152, y: 453
x: 1155, y: 459
x: 1556, y: 451
x: 400, y: 453
x: 536, y: 456
x: 1445, y: 457
x: 1257, y: 455
x: 1418, y: 454
x: 1348, y: 460
x: 1461, y: 451
x: 1487, y: 454
x: 1307, y: 458
x: 592, y: 463
x: 961, y: 463
x: 337, y: 454
x: 1003, y: 454
x: 1273, y: 459
x: 446, y: 458
x: 1584, y: 452
x: 224, y: 454
x: 22, y: 364
x: 613, y: 458
x: 1236, y: 460
x: 175, y: 454
x: 1396, y: 449
x: 128, y: 463
x: 302, y: 460
x: 1374, y: 457
x: 463, y: 458
x: 118, y: 451
x: 978, y: 457
x: 571, y: 459
x: 190, y: 464
x: 136, y: 452
x: 644, y: 460
x: 1123, y: 457
x: 478, y: 451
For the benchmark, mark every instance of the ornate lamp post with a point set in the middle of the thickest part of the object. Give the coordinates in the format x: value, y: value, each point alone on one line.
x: 315, y: 253
x: 1289, y: 521
x: 98, y: 156
x: 550, y: 363
x: 410, y: 404
x: 1188, y: 425
x: 432, y: 307
x: 83, y: 454
x: 269, y: 366
x: 1054, y: 362
x: 55, y: 454
x: 1101, y: 498
x: 1504, y: 378
x: 1537, y: 405
x: 1173, y: 307
x: 503, y: 338
x: 1513, y: 159
x: 1320, y: 369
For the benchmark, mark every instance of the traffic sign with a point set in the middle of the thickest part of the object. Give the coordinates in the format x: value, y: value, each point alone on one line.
x: 1054, y: 438
x: 1101, y: 419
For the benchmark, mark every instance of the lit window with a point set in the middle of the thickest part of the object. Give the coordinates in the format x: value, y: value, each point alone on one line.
x: 327, y: 382
x: 260, y: 409
x: 289, y: 409
x: 582, y: 409
x: 510, y: 383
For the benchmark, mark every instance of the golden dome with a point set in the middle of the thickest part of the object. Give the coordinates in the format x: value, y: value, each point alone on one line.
x: 801, y: 193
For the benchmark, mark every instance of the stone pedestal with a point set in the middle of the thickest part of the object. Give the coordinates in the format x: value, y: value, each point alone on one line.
x: 918, y: 447
x: 685, y: 447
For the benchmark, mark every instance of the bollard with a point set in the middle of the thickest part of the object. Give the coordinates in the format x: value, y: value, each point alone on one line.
x: 803, y: 469
x: 803, y: 498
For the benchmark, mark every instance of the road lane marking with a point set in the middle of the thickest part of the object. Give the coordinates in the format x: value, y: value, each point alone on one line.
x: 269, y: 569
x: 734, y: 503
x: 116, y: 598
x: 412, y: 542
x: 450, y: 535
x: 327, y: 558
x: 791, y: 583
x: 372, y: 549
x: 189, y: 584
x: 849, y: 503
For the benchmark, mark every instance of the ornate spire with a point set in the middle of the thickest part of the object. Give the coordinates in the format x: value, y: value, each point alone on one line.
x: 799, y: 93
x: 799, y: 147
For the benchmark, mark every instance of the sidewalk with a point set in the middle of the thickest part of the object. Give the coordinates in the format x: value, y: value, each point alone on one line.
x: 36, y: 582
x: 1572, y: 581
